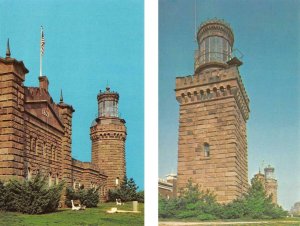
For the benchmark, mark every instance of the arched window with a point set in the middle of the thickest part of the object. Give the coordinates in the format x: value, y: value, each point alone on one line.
x: 206, y: 150
x: 117, y: 181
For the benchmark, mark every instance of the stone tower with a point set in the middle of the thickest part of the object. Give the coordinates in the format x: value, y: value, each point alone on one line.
x: 271, y: 183
x: 108, y: 135
x: 12, y: 76
x: 214, y: 108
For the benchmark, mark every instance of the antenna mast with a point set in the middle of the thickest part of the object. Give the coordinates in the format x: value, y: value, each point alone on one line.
x: 195, y: 19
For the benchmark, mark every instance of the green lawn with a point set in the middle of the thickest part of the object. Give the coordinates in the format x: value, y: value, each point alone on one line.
x: 67, y: 217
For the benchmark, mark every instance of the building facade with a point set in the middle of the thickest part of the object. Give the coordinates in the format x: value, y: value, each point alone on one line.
x: 167, y: 188
x: 213, y: 111
x: 36, y: 135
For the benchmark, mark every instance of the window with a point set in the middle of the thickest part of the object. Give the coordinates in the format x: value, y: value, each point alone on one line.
x: 206, y: 150
x: 74, y: 184
x: 29, y: 175
x: 117, y: 181
x: 44, y: 149
x: 56, y: 179
x: 50, y: 179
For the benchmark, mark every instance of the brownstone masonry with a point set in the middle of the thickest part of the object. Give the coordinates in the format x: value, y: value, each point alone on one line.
x: 214, y: 108
x: 36, y: 134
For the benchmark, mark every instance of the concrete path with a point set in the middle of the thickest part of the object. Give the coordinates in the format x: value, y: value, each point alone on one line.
x: 223, y: 223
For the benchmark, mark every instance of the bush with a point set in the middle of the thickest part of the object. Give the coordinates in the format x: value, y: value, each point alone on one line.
x: 191, y: 203
x: 126, y: 192
x: 32, y: 197
x: 87, y: 197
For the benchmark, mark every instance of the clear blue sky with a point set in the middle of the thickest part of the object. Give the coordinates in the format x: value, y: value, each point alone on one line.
x: 89, y: 43
x: 267, y: 33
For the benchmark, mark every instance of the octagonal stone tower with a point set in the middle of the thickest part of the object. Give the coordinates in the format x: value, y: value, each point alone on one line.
x: 108, y: 135
x: 271, y: 183
x: 214, y: 108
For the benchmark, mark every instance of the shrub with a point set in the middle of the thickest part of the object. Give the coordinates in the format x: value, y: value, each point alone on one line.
x: 167, y: 208
x: 202, y: 205
x: 32, y: 197
x: 87, y: 197
x: 140, y: 196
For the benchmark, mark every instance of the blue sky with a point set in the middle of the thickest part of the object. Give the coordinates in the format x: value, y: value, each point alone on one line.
x: 267, y: 33
x: 89, y: 44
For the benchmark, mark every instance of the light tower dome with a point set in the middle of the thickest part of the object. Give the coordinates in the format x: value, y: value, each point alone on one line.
x: 215, y: 41
x: 108, y: 103
x: 269, y: 172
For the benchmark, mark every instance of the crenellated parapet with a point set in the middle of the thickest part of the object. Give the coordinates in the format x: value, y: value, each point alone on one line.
x: 108, y: 132
x: 211, y: 85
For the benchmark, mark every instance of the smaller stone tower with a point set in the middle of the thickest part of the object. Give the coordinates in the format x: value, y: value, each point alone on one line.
x: 271, y: 183
x: 108, y: 135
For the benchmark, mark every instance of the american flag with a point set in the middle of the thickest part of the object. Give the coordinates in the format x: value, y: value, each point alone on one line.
x: 42, y: 42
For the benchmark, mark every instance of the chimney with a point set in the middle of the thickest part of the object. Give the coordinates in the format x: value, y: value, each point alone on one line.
x: 44, y: 82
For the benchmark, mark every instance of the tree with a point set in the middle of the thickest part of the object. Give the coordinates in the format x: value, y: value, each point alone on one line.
x: 258, y: 204
x: 126, y: 192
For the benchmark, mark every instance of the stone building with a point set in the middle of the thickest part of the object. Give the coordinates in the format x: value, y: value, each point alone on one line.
x: 214, y: 109
x: 269, y: 182
x: 167, y: 188
x: 36, y: 134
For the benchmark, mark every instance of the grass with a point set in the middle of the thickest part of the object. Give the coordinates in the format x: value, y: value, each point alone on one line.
x: 274, y: 222
x: 67, y: 217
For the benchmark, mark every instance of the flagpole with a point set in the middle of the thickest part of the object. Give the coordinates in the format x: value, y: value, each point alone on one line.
x: 41, y: 51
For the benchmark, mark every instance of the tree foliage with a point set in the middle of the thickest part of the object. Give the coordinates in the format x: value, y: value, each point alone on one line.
x: 126, y: 192
x: 197, y: 204
x: 32, y: 197
x: 87, y: 197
